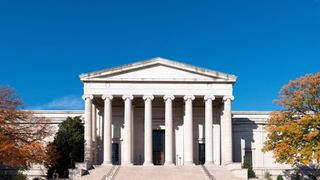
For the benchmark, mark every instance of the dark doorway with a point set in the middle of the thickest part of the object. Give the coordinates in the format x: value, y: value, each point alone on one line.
x: 115, y: 154
x: 202, y: 155
x: 158, y: 147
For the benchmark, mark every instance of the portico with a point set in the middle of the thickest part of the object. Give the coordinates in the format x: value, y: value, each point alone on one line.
x: 126, y: 104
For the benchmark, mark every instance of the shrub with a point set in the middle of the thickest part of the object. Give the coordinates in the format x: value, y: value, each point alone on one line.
x: 279, y: 177
x: 267, y: 175
x: 18, y: 176
x: 247, y: 164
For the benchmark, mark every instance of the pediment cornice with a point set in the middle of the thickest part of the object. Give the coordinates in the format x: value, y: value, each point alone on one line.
x: 105, y: 74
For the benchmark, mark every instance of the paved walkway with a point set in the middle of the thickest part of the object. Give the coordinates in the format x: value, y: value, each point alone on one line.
x: 160, y: 173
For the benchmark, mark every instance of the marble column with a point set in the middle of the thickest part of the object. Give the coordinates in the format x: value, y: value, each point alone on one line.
x: 107, y: 126
x: 88, y: 129
x: 148, y: 130
x: 99, y: 135
x: 168, y: 130
x: 226, y: 129
x: 127, y: 139
x: 94, y: 134
x: 208, y: 130
x: 217, y: 136
x: 188, y: 131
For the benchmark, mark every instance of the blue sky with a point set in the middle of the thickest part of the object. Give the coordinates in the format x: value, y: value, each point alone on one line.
x: 45, y: 45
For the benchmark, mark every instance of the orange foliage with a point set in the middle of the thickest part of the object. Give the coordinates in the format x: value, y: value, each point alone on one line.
x: 21, y: 133
x: 294, y: 132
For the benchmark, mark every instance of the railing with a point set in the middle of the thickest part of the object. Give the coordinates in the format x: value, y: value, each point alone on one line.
x: 112, y: 173
x: 207, y: 173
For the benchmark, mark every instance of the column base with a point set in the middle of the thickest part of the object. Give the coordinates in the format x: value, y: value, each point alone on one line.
x: 233, y: 165
x: 188, y: 163
x: 209, y: 163
x: 227, y: 163
x: 126, y: 164
x: 169, y: 163
x: 217, y: 163
x: 148, y: 163
x: 107, y: 163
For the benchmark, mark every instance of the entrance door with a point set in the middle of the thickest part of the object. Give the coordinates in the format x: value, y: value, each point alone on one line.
x: 158, y: 147
x: 202, y: 155
x: 115, y: 154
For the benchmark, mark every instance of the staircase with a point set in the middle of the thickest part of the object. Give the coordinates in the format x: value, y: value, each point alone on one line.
x: 206, y: 173
x: 221, y: 173
x: 109, y: 172
x: 112, y: 173
x: 99, y: 172
x: 160, y: 173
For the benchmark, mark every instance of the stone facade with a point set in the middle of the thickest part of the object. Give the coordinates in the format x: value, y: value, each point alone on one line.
x: 247, y: 136
x: 138, y: 98
x: 162, y: 112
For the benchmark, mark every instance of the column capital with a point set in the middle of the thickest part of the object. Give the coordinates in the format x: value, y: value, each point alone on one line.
x: 124, y: 97
x: 145, y: 97
x: 209, y: 97
x: 105, y: 96
x: 166, y: 97
x: 228, y: 97
x: 85, y: 96
x: 186, y: 97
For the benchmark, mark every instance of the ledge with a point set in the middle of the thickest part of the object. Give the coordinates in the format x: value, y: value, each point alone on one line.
x: 251, y: 112
x: 57, y: 111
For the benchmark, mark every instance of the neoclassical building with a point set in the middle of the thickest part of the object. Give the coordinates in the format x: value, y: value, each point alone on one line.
x: 163, y: 112
x: 159, y: 112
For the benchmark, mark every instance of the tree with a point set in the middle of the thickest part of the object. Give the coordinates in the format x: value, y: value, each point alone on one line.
x: 22, y: 133
x: 293, y: 133
x: 69, y: 146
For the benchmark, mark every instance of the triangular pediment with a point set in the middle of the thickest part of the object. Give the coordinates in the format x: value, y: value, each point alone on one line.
x: 158, y: 69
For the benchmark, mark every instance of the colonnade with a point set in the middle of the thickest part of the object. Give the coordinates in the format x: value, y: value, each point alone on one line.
x: 127, y: 145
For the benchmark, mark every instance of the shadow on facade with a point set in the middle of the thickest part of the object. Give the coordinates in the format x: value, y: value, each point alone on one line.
x: 243, y: 139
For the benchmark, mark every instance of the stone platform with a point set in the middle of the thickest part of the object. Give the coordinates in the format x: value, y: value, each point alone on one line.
x: 158, y: 173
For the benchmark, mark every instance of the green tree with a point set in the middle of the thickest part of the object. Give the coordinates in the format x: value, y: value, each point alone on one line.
x: 294, y: 132
x: 68, y: 146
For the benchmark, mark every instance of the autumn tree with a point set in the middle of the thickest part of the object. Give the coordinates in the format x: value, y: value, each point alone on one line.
x: 294, y: 131
x: 21, y: 133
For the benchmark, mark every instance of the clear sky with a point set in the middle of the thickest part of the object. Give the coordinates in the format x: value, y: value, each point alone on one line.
x: 45, y: 45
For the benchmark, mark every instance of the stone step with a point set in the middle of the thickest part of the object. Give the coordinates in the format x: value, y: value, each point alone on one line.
x: 98, y: 173
x: 106, y: 172
x: 160, y: 173
x: 221, y: 173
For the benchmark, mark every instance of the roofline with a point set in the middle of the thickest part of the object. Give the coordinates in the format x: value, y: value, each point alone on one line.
x: 151, y: 80
x: 153, y: 61
x: 57, y: 111
x: 82, y: 112
x: 251, y: 112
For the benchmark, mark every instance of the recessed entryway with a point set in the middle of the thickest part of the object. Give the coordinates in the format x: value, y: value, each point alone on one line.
x: 158, y: 146
x: 115, y: 154
x: 202, y: 154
